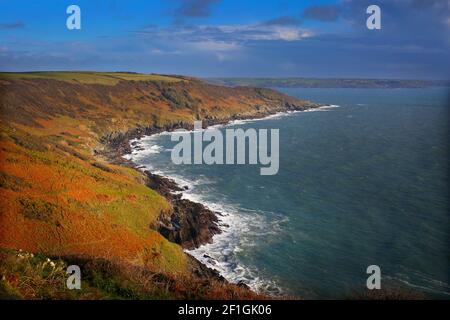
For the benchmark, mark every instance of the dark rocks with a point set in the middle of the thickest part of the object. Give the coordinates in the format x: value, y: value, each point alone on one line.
x: 162, y: 185
x: 242, y: 284
x: 189, y: 224
x: 202, y: 271
x: 197, y: 224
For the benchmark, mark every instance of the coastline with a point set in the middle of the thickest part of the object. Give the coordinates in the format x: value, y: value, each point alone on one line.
x: 191, y: 224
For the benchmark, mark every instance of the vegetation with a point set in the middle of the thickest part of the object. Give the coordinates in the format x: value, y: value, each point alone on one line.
x: 178, y: 99
x: 86, y: 77
x: 26, y: 275
x: 61, y: 199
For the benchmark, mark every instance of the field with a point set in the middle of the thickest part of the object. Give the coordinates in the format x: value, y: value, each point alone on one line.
x: 86, y: 77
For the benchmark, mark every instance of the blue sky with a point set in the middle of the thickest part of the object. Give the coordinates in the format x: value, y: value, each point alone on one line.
x: 222, y: 38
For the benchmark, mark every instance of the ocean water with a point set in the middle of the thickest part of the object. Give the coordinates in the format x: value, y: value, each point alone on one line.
x: 364, y: 182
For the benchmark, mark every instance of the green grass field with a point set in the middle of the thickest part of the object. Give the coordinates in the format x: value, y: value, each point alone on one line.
x: 86, y: 77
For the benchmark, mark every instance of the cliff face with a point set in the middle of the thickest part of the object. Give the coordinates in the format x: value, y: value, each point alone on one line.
x: 189, y: 224
x: 62, y: 193
x: 128, y: 104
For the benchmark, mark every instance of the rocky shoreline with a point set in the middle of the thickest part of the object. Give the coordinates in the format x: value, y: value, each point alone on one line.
x: 189, y: 224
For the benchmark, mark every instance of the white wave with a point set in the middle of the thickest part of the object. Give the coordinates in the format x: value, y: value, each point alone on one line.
x: 238, y: 231
x: 128, y: 156
x: 420, y: 287
x: 154, y: 149
x: 427, y: 283
x: 270, y: 116
x: 238, y: 235
x: 145, y: 146
x: 144, y: 151
x: 323, y: 108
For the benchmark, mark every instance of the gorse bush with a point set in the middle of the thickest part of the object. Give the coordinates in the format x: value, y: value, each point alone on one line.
x: 178, y: 98
x: 38, y: 209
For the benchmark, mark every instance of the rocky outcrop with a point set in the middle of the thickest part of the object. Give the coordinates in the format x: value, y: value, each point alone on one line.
x: 189, y: 224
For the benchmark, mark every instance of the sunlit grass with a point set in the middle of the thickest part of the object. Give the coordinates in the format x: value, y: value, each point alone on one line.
x: 85, y: 77
x: 65, y: 204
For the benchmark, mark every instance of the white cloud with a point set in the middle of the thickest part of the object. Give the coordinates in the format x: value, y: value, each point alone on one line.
x: 158, y: 51
x: 265, y: 32
x: 223, y: 41
x: 447, y: 21
x: 212, y: 45
x: 225, y: 37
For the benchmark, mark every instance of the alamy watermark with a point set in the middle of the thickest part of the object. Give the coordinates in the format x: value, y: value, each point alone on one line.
x: 73, y: 21
x: 374, y: 280
x: 373, y: 22
x: 237, y: 146
x: 74, y: 279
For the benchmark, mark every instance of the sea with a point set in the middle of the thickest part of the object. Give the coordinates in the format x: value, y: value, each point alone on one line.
x: 361, y: 182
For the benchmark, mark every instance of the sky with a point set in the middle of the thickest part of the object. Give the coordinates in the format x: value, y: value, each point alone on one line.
x: 230, y: 38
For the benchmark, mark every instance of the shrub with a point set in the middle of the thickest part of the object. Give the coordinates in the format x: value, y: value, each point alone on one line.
x: 178, y: 98
x: 12, y: 182
x: 37, y: 209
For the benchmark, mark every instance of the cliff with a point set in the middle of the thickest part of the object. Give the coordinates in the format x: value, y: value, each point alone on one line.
x: 64, y: 190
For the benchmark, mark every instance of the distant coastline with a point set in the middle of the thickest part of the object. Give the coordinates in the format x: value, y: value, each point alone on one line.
x: 328, y: 83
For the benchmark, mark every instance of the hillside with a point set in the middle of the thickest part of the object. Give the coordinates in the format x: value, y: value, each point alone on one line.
x: 64, y: 191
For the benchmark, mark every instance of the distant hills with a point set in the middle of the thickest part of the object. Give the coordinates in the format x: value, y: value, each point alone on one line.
x: 328, y: 83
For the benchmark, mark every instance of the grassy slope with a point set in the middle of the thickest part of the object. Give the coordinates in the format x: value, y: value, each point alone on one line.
x: 37, y: 276
x: 106, y: 78
x: 59, y: 199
